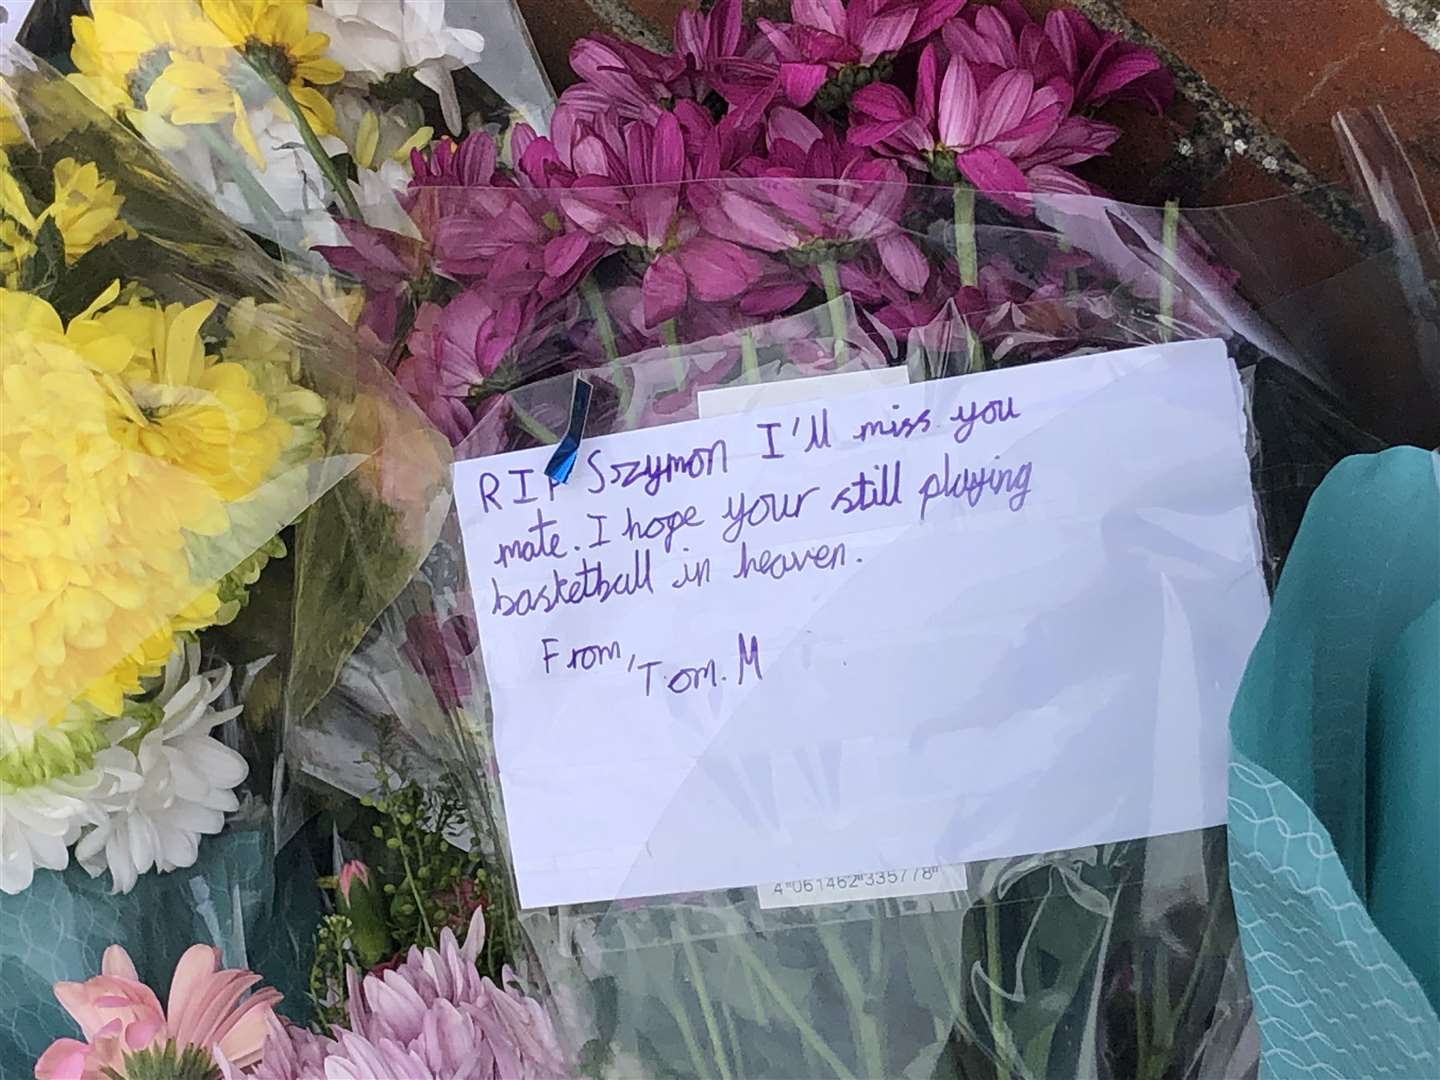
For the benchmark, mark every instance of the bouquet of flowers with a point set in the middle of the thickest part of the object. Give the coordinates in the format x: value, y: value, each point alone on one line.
x: 276, y: 110
x: 432, y: 1015
x: 174, y: 405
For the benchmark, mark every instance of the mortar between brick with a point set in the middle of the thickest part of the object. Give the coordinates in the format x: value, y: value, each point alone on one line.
x: 619, y: 18
x: 1420, y: 17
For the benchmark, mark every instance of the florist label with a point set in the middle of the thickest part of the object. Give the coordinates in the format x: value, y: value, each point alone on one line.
x: 914, y: 626
x: 871, y: 885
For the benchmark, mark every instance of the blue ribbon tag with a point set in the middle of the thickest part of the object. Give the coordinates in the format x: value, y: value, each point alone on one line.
x: 562, y: 462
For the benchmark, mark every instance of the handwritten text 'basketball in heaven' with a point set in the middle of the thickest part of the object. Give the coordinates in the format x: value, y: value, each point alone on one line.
x: 772, y: 503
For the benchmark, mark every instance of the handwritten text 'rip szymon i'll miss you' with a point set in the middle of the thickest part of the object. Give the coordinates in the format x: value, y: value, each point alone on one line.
x: 771, y: 501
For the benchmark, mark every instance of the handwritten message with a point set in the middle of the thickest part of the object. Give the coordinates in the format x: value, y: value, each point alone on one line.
x: 905, y: 627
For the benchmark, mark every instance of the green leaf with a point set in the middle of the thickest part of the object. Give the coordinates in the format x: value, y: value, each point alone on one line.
x: 41, y: 272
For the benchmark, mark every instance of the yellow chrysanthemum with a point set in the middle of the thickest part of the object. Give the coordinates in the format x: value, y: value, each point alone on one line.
x: 260, y: 340
x: 183, y: 406
x: 123, y: 46
x: 94, y: 576
x: 273, y: 53
x: 346, y: 301
x: 85, y: 209
x: 259, y: 343
x: 12, y: 127
x: 17, y: 227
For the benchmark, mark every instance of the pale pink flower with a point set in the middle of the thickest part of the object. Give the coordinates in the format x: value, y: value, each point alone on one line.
x: 707, y: 41
x: 619, y: 78
x: 435, y: 1016
x: 454, y: 349
x: 827, y: 41
x: 489, y: 224
x: 119, y: 1015
x: 290, y: 1053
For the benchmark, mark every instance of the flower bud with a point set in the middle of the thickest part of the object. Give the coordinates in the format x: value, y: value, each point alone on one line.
x: 352, y: 872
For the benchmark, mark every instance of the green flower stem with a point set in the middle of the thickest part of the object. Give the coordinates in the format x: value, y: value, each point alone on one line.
x: 1177, y: 1017
x: 966, y: 255
x: 605, y: 328
x: 1162, y: 1016
x: 867, y: 1030
x: 1141, y: 1039
x: 687, y: 1033
x: 1088, y: 1050
x: 953, y: 993
x: 967, y: 258
x: 1170, y: 243
x: 707, y: 1009
x: 997, y: 999
x: 337, y: 182
x: 261, y: 204
x: 810, y: 1036
x: 414, y: 889
x: 1072, y: 279
x: 671, y: 335
x: 877, y: 953
x: 762, y: 1017
x: 403, y: 325
x: 835, y: 305
x: 749, y: 358
x: 737, y: 1049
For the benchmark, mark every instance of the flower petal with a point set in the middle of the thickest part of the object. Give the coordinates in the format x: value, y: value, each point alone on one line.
x: 959, y: 106
x: 904, y: 261
x: 801, y: 82
x: 991, y: 171
x: 665, y: 290
x: 717, y: 269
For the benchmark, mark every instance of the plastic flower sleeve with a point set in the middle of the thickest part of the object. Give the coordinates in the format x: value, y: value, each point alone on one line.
x: 310, y: 415
x: 781, y: 980
x: 174, y: 404
x: 282, y: 116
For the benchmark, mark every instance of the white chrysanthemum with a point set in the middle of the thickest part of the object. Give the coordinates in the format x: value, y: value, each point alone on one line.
x: 173, y: 782
x: 375, y: 38
x: 281, y: 199
x: 39, y: 823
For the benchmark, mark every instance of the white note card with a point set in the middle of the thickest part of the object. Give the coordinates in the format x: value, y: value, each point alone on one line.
x: 913, y: 626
